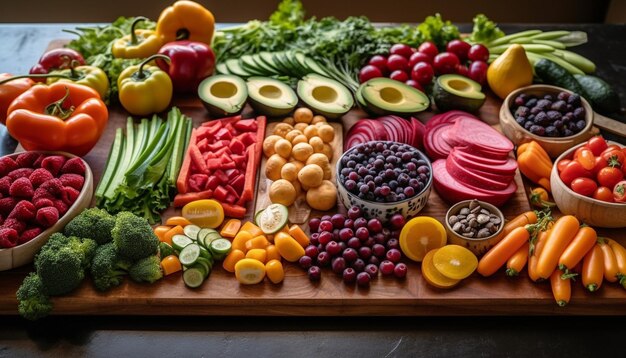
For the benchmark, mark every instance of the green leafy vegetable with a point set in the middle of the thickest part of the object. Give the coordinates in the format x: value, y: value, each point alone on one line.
x: 435, y: 29
x: 485, y: 30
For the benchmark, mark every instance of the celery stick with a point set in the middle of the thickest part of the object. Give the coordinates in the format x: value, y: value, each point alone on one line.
x: 113, y: 161
x: 126, y: 158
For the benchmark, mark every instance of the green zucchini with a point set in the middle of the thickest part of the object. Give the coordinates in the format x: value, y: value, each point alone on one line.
x: 553, y: 74
x: 600, y: 94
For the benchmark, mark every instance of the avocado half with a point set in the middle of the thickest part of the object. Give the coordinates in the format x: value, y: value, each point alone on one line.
x: 457, y: 92
x: 386, y: 96
x: 325, y: 96
x: 223, y: 95
x: 271, y: 97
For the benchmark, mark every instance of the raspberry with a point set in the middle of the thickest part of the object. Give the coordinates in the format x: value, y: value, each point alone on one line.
x: 1, y: 220
x: 22, y: 188
x: 74, y: 166
x: 24, y: 211
x: 70, y: 195
x: 75, y: 181
x: 5, y: 184
x: 42, y: 203
x: 15, y: 224
x: 60, y: 206
x: 39, y: 177
x: 53, y: 163
x: 7, y: 205
x: 7, y: 165
x: 20, y: 173
x: 28, y: 235
x: 37, y: 163
x: 53, y: 186
x: 27, y: 159
x: 8, y: 238
x: 47, y: 216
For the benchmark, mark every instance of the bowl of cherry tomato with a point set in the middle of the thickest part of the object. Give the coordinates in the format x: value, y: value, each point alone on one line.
x: 589, y: 181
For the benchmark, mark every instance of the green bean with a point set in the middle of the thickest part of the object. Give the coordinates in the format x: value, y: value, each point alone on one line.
x: 555, y: 44
x: 528, y: 47
x: 559, y: 61
x: 550, y: 35
x: 577, y: 60
x: 506, y: 39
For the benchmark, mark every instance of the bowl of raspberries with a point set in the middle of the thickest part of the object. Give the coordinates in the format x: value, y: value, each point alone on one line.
x: 40, y: 192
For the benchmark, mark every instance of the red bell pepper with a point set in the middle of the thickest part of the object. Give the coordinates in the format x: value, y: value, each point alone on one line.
x: 57, y: 59
x: 191, y: 62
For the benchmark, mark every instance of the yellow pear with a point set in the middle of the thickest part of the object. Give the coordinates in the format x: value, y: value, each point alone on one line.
x: 510, y: 71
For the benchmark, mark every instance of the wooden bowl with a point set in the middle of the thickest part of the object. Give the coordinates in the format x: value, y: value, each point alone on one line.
x: 588, y: 210
x: 479, y: 246
x: 553, y: 146
x: 24, y: 254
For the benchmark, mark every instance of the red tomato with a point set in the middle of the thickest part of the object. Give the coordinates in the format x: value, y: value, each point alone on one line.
x: 597, y: 145
x: 478, y: 53
x: 586, y: 158
x: 572, y: 171
x: 562, y: 164
x: 402, y: 50
x: 419, y: 57
x: 603, y: 193
x: 614, y: 156
x: 423, y: 73
x: 609, y: 176
x: 460, y: 48
x: 368, y: 72
x: 584, y: 186
x: 619, y: 192
x: 599, y: 164
x: 578, y: 150
x: 428, y: 48
x: 445, y: 62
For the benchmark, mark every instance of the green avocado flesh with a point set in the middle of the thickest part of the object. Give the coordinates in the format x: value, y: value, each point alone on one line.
x: 457, y: 92
x: 386, y: 96
x: 223, y: 94
x: 271, y: 97
x: 325, y: 96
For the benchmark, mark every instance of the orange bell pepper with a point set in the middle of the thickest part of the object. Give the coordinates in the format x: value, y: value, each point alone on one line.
x: 534, y: 163
x: 9, y: 91
x: 63, y: 116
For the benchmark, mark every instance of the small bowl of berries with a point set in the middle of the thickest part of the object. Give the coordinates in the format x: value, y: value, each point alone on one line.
x: 556, y: 118
x: 40, y: 192
x: 384, y: 178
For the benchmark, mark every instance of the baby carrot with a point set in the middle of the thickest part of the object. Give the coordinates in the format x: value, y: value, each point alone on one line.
x: 516, y: 263
x: 499, y: 254
x: 532, y: 259
x: 593, y: 269
x: 576, y: 250
x: 620, y: 258
x: 561, y: 288
x: 529, y: 217
x: 561, y: 234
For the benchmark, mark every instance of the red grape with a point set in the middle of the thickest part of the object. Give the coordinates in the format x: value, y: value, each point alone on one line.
x: 375, y: 226
x: 349, y: 275
x: 315, y: 238
x: 414, y: 84
x: 354, y: 212
x: 401, y: 49
x: 365, y: 252
x: 419, y: 57
x: 397, y: 62
x: 315, y: 273
x: 386, y: 268
x: 348, y: 224
x: 354, y: 243
x: 358, y: 265
x: 333, y: 248
x: 350, y: 254
x: 399, y: 76
x: 393, y: 255
x: 445, y: 62
x: 360, y: 222
x: 397, y: 221
x: 311, y: 251
x: 478, y: 72
x: 368, y: 72
x: 363, y: 279
x: 400, y: 270
x: 423, y: 73
x: 462, y: 70
x: 428, y: 48
x: 459, y: 47
x: 380, y: 62
x: 314, y: 224
x: 378, y: 250
x: 372, y: 270
x: 325, y: 237
x: 346, y: 234
x: 478, y: 52
x: 337, y: 221
x: 323, y: 258
x: 362, y: 233
x: 305, y: 262
x: 338, y: 265
x: 326, y: 225
x: 374, y: 260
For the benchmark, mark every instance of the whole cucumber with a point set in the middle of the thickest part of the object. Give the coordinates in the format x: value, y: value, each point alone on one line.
x: 600, y: 94
x: 553, y: 74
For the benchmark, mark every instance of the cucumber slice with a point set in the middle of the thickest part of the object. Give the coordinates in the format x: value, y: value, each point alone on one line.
x: 194, y: 276
x: 192, y: 231
x: 210, y: 238
x: 220, y: 248
x: 209, y: 262
x: 257, y: 216
x: 273, y: 218
x: 204, y: 253
x: 189, y: 254
x: 203, y: 233
x: 180, y: 241
x: 205, y: 264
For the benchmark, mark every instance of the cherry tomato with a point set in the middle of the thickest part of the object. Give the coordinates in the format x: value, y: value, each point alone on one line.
x: 562, y: 164
x: 459, y: 47
x: 478, y: 72
x: 399, y: 76
x: 597, y: 145
x: 578, y: 150
x: 402, y: 50
x: 584, y: 186
x: 380, y: 62
x: 609, y: 176
x: 603, y: 193
x: 414, y: 84
x: 619, y: 192
x: 428, y: 48
x: 572, y: 171
x: 586, y: 158
x: 368, y: 72
x: 478, y: 53
x: 462, y: 70
x: 614, y: 157
x: 397, y: 62
x: 599, y: 164
x: 419, y: 57
x: 423, y: 73
x: 445, y: 62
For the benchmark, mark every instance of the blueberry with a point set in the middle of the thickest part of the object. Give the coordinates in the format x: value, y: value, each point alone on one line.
x: 567, y: 133
x: 522, y: 111
x: 569, y: 108
x: 520, y: 120
x: 535, y: 110
x: 563, y: 96
x: 553, y: 116
x: 364, y: 189
x: 350, y: 185
x: 538, y: 130
x: 519, y: 100
x: 531, y: 102
x: 393, y: 184
x: 580, y: 125
x: 541, y: 118
x: 579, y: 113
x: 551, y: 131
x: 559, y: 106
x: 528, y: 124
x: 558, y: 124
x: 544, y: 103
x: 574, y: 99
x: 549, y: 97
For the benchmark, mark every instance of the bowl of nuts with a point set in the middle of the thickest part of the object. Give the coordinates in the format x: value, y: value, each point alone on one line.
x: 474, y: 224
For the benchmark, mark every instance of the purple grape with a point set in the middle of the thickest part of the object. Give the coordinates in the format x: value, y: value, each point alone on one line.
x: 362, y: 233
x: 354, y: 212
x: 375, y: 226
x: 372, y: 270
x: 325, y: 225
x: 305, y: 262
x: 360, y: 222
x: 326, y: 218
x: 311, y: 251
x: 345, y: 234
x: 365, y: 252
x: 349, y: 275
x: 348, y: 224
x: 338, y: 265
x: 333, y: 248
x: 397, y: 221
x: 400, y: 270
x: 386, y: 268
x: 358, y: 265
x: 337, y: 220
x: 314, y: 224
x: 363, y: 279
x: 374, y: 260
x: 314, y: 238
x: 393, y: 255
x: 379, y: 250
x: 325, y: 237
x: 350, y: 254
x: 393, y: 244
x: 315, y: 273
x: 323, y: 258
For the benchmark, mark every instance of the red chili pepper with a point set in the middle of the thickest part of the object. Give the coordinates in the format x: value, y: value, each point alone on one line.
x: 191, y: 62
x: 57, y: 59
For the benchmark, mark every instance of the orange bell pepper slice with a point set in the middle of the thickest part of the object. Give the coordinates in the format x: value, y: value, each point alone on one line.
x: 63, y: 116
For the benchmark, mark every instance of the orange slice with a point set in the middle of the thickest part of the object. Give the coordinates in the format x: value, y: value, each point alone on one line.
x: 455, y: 261
x: 420, y: 235
x: 433, y: 276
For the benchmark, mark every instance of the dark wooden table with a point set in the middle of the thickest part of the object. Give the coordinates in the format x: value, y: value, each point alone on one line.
x: 21, y: 46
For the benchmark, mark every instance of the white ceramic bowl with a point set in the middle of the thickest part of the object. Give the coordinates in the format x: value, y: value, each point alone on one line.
x: 24, y: 254
x: 588, y: 210
x: 384, y: 211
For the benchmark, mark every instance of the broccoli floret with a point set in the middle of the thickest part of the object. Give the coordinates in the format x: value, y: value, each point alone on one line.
x: 33, y: 300
x: 108, y: 267
x: 133, y: 236
x: 146, y: 270
x: 62, y: 261
x: 93, y: 224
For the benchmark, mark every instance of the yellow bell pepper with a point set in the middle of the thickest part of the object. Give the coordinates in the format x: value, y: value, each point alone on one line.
x: 138, y: 44
x: 145, y: 89
x: 186, y: 20
x: 90, y: 76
